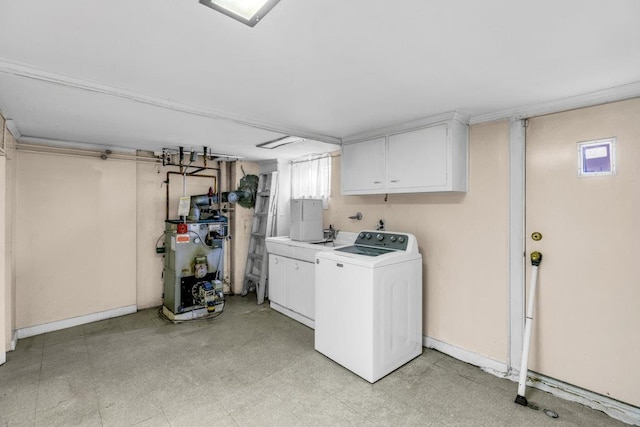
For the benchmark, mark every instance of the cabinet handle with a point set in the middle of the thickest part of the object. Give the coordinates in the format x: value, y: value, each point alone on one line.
x: 395, y: 180
x: 296, y: 266
x: 377, y: 182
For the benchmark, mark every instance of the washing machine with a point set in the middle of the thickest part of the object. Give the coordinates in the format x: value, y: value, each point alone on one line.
x: 369, y: 303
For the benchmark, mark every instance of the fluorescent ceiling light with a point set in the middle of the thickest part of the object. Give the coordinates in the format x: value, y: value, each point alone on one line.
x: 248, y: 12
x: 280, y: 142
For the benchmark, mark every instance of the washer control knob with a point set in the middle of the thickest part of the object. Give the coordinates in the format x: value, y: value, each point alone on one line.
x: 394, y: 238
x: 361, y: 236
x: 401, y: 239
x: 380, y: 236
x: 368, y: 236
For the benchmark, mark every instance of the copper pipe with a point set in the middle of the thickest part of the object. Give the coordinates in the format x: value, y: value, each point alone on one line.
x: 193, y: 174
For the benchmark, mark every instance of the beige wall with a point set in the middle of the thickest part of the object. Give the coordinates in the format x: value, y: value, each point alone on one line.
x: 463, y: 239
x: 75, y: 237
x: 150, y: 210
x: 588, y: 304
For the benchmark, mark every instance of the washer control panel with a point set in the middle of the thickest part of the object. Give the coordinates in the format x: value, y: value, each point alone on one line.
x: 382, y: 239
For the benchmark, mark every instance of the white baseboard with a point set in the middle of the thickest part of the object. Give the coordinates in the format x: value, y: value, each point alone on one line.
x: 75, y: 321
x: 613, y: 408
x: 3, y: 357
x: 14, y: 340
x: 485, y: 363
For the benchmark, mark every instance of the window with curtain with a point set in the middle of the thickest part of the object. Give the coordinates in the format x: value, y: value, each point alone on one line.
x: 311, y: 178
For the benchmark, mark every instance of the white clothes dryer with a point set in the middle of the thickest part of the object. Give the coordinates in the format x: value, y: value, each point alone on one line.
x: 369, y: 303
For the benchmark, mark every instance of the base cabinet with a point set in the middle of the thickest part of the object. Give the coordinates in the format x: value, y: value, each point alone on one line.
x: 292, y: 286
x: 277, y: 278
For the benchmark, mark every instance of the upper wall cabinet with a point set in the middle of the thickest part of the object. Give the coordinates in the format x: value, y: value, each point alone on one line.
x: 365, y: 171
x: 432, y: 158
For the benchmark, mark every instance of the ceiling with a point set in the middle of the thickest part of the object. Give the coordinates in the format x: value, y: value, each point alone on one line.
x: 153, y: 74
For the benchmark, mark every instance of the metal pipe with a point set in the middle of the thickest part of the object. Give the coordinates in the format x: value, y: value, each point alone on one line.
x: 167, y: 182
x: 232, y: 227
x: 78, y: 152
x: 4, y: 136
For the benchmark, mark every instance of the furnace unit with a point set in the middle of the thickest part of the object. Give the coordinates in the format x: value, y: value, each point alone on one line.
x: 193, y: 267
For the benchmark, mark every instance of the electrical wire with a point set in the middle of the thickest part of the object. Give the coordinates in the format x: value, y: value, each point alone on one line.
x: 161, y: 236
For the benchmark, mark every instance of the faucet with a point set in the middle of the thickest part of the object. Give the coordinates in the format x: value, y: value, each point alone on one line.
x: 331, y: 233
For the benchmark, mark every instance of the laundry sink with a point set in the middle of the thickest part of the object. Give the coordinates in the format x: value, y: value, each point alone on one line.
x: 306, y: 251
x: 343, y: 238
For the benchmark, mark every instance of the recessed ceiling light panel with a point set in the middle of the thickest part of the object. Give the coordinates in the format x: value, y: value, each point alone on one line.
x: 249, y: 12
x: 280, y: 142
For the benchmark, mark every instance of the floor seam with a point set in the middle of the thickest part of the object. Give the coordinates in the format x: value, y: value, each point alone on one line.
x: 93, y: 378
x: 35, y: 408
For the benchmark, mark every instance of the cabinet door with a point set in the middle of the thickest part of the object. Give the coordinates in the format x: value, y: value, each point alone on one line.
x: 300, y: 287
x: 418, y: 160
x: 277, y: 279
x: 363, y: 165
x: 307, y: 280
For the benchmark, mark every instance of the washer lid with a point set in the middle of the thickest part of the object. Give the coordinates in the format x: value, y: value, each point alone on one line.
x: 364, y: 250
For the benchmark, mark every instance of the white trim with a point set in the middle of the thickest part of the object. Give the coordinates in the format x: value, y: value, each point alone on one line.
x: 613, y: 408
x: 13, y: 128
x: 292, y: 314
x: 619, y: 93
x: 29, y: 72
x: 75, y: 321
x: 3, y: 357
x: 14, y: 340
x: 517, y: 135
x: 492, y: 366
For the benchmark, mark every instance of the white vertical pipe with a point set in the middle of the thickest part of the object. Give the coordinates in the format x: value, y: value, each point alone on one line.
x: 517, y: 136
x: 522, y: 382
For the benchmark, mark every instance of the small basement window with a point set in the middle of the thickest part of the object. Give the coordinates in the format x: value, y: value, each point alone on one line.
x: 597, y: 157
x: 311, y: 178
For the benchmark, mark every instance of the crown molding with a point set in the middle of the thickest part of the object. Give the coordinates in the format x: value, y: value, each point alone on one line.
x: 28, y: 72
x: 411, y: 125
x: 13, y: 128
x: 604, y: 96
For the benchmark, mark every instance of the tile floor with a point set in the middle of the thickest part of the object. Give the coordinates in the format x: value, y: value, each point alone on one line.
x: 251, y: 366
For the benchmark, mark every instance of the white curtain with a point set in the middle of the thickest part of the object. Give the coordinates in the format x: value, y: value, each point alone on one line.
x: 311, y: 179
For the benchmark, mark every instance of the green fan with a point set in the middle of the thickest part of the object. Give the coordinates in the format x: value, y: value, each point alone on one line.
x: 247, y: 191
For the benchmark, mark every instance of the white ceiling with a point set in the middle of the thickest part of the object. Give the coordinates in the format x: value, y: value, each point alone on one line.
x: 150, y: 74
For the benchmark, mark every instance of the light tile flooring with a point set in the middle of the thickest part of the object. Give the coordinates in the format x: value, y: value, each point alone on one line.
x: 251, y: 366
